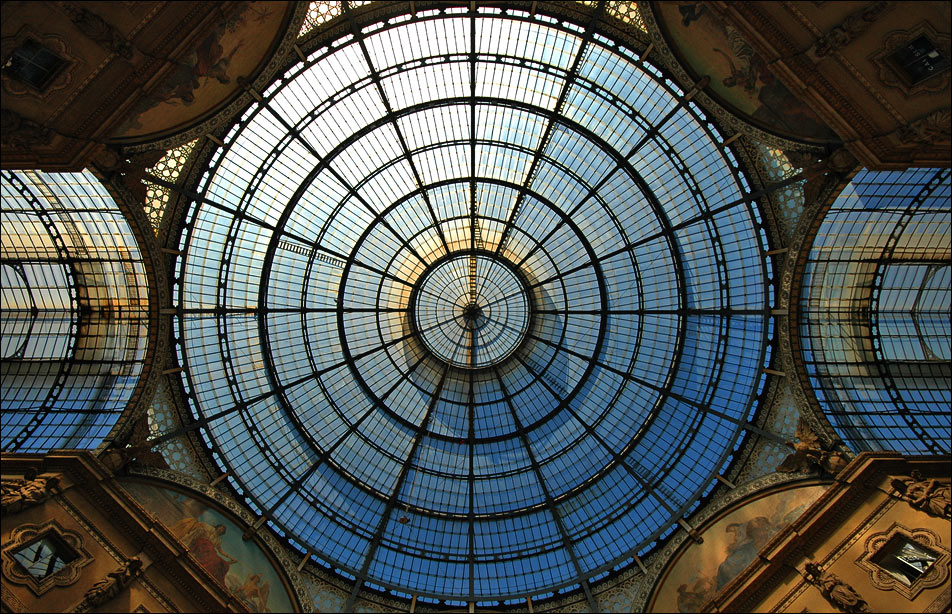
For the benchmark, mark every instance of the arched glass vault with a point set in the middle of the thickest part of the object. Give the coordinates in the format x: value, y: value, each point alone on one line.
x: 876, y: 314
x: 73, y: 311
x: 474, y: 304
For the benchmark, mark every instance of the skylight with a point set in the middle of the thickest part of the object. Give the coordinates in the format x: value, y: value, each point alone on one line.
x: 474, y: 306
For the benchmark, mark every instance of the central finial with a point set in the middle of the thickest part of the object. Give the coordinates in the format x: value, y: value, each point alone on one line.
x: 471, y: 313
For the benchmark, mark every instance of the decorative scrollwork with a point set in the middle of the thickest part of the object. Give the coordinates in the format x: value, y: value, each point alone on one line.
x: 19, y: 495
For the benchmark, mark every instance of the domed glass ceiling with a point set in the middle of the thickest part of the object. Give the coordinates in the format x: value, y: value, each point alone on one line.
x: 474, y: 304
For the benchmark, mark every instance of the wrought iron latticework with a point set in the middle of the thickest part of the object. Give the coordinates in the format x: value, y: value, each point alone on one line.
x: 474, y: 303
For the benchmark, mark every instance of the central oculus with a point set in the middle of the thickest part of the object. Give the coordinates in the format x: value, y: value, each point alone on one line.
x: 471, y: 310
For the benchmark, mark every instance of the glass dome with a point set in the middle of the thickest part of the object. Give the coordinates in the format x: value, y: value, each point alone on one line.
x: 474, y: 304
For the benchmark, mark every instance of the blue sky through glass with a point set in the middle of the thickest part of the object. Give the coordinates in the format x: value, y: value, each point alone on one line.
x: 474, y: 138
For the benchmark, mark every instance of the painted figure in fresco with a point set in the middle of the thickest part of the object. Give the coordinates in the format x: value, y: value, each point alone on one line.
x: 208, y: 62
x: 255, y: 591
x: 750, y: 67
x: 929, y: 495
x: 691, y: 12
x: 748, y: 539
x: 204, y: 542
x: 693, y: 599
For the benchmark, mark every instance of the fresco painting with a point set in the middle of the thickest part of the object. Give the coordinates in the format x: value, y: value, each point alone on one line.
x: 208, y: 75
x: 739, y: 75
x: 730, y: 545
x: 215, y: 541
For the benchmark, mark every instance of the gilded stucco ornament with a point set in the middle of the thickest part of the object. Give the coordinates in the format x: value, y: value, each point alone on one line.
x: 109, y: 587
x: 836, y: 591
x: 929, y: 495
x: 19, y: 495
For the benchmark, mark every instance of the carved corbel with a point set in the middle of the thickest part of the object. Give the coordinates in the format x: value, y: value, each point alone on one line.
x: 851, y: 27
x: 19, y: 495
x: 110, y: 586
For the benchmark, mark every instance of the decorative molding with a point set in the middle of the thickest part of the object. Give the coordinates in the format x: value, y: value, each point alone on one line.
x: 26, y: 533
x: 941, y: 603
x: 936, y: 575
x: 11, y: 601
x: 58, y: 44
x: 890, y: 77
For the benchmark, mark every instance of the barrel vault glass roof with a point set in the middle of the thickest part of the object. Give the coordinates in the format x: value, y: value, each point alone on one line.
x: 876, y: 293
x: 73, y: 311
x: 474, y: 304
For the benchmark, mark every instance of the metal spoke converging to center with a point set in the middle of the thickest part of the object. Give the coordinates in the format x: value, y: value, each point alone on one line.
x: 471, y: 310
x: 496, y: 295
